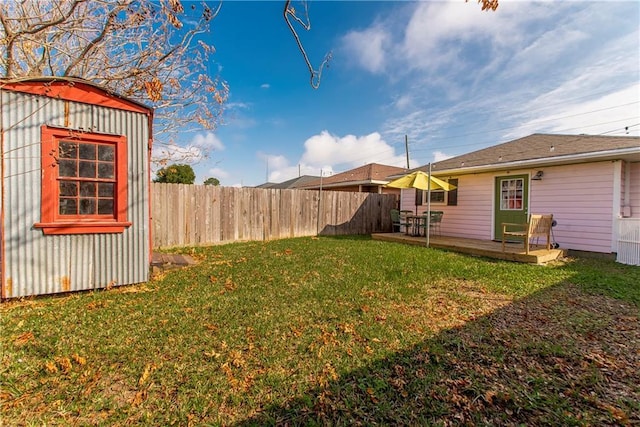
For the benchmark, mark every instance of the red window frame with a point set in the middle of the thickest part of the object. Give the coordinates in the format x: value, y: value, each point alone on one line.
x: 51, y: 221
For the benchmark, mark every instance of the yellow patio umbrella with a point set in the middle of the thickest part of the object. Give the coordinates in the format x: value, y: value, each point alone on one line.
x: 422, y: 181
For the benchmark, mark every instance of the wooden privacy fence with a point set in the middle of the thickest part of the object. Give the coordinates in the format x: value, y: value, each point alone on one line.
x: 191, y: 215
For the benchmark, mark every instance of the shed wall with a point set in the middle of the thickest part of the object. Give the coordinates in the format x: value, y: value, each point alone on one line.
x: 36, y: 264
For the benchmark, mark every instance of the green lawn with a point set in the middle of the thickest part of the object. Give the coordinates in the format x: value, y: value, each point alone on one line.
x: 334, y: 331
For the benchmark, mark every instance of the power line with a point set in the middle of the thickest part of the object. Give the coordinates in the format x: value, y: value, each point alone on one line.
x: 489, y: 142
x: 542, y: 121
x: 545, y: 107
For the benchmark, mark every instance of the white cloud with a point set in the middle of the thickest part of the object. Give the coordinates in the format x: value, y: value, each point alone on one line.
x: 200, y: 146
x: 280, y: 169
x: 265, y: 86
x: 208, y: 141
x: 327, y: 149
x: 463, y: 78
x: 368, y: 47
x: 218, y: 173
x: 439, y: 156
x: 403, y: 102
x: 330, y: 153
x: 237, y: 105
x: 174, y: 153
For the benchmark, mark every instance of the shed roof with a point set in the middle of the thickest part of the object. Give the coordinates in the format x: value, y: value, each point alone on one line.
x: 73, y: 89
x: 539, y: 149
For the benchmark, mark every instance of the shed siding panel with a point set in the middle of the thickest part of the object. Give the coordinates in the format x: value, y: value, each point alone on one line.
x: 38, y: 264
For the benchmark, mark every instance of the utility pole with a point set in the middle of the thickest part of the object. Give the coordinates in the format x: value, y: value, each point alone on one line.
x: 406, y: 148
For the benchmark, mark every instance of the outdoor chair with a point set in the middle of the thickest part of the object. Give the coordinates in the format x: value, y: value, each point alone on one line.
x: 434, y: 222
x: 538, y: 226
x: 398, y: 222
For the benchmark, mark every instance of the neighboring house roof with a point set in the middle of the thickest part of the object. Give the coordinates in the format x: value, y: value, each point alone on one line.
x: 370, y: 174
x: 542, y: 149
x: 290, y: 184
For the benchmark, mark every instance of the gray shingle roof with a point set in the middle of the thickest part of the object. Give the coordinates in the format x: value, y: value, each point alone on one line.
x: 537, y: 146
x: 292, y: 183
x: 368, y: 173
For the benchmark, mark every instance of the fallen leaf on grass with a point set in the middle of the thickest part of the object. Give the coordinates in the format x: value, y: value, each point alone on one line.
x: 139, y: 397
x: 65, y: 364
x: 148, y: 370
x: 96, y: 304
x: 347, y: 328
x: 237, y: 359
x: 372, y: 395
x: 79, y: 359
x: 328, y: 374
x: 229, y: 285
x: 24, y: 338
x: 51, y: 367
x: 489, y: 395
x: 213, y: 354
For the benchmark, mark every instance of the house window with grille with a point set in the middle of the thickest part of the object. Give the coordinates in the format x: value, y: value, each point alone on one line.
x: 511, y: 194
x: 84, y: 182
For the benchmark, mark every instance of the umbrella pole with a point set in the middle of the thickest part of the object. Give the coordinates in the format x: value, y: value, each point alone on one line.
x: 426, y: 231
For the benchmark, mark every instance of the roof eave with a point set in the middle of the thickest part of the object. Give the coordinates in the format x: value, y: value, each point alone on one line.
x: 348, y: 183
x: 545, y: 161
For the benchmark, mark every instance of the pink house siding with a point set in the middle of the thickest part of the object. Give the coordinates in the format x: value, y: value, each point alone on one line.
x: 408, y: 200
x: 473, y: 215
x: 580, y: 197
x: 634, y: 188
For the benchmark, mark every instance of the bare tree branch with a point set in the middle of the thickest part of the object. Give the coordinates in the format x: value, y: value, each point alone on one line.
x: 289, y: 11
x: 149, y: 51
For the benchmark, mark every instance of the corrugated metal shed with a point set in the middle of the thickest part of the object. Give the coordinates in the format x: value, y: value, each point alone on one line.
x: 34, y: 263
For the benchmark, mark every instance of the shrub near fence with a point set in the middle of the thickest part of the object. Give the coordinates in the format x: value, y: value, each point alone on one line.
x: 192, y: 215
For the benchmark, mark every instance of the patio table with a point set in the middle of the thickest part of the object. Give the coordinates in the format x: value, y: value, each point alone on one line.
x: 417, y: 223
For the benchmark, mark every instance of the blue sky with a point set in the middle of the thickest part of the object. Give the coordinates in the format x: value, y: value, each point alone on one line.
x: 451, y: 77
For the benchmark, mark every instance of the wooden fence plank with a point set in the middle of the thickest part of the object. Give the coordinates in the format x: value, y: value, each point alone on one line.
x: 190, y: 215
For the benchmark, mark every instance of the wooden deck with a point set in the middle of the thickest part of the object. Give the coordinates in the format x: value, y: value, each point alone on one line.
x: 538, y: 254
